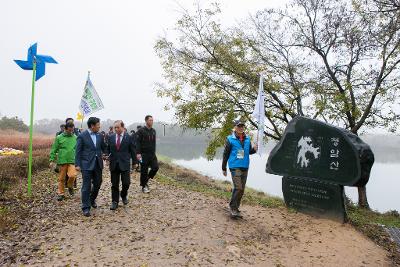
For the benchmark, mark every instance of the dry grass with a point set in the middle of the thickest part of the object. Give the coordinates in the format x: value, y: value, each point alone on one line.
x: 14, y: 169
x: 20, y: 141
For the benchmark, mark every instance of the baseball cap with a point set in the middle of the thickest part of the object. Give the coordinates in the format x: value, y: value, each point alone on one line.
x: 238, y: 122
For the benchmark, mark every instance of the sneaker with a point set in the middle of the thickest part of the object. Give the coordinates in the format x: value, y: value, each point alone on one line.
x: 234, y: 213
x: 60, y: 197
x: 239, y: 214
x: 71, y: 192
x: 125, y: 200
x: 145, y: 189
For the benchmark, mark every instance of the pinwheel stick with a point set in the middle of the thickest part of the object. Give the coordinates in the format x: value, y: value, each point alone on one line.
x: 31, y: 129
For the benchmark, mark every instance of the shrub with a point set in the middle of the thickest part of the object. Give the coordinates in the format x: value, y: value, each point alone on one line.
x: 20, y: 141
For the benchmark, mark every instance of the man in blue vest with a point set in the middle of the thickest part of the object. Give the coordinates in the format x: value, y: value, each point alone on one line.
x: 238, y: 149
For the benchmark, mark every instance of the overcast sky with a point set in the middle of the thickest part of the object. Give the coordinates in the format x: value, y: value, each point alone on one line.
x: 112, y: 39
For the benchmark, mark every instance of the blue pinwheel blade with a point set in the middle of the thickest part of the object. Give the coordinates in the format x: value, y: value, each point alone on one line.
x: 40, y: 70
x: 32, y: 51
x: 25, y: 65
x: 46, y: 59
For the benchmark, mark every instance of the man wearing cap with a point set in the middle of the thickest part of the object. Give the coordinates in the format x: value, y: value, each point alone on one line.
x: 238, y: 149
x: 63, y: 152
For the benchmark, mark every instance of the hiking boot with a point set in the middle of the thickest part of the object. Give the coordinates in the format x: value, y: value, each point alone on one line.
x: 146, y: 189
x: 114, y: 205
x: 71, y: 192
x: 60, y: 197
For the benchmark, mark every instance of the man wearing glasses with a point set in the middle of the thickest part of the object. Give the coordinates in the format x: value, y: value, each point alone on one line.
x: 238, y: 149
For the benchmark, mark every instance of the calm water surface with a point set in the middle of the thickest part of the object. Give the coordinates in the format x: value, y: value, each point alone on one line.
x: 383, y: 187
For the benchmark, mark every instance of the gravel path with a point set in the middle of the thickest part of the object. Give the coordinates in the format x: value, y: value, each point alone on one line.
x: 174, y: 227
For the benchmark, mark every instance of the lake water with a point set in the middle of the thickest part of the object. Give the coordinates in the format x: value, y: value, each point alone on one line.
x: 383, y: 188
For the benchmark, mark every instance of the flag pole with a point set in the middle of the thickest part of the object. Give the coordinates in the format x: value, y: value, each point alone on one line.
x: 31, y: 129
x: 83, y: 117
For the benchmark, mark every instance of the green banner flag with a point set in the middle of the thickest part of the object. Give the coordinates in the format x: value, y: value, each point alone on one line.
x: 90, y: 101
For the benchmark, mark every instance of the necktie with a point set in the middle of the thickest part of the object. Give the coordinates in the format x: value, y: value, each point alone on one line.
x: 118, y: 141
x: 94, y: 138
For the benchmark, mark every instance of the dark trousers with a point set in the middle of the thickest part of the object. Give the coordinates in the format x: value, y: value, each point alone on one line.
x: 116, y: 176
x: 148, y: 161
x: 239, y: 178
x: 91, y: 182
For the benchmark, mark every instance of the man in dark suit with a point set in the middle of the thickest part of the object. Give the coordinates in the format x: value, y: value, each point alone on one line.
x: 89, y: 160
x: 120, y: 150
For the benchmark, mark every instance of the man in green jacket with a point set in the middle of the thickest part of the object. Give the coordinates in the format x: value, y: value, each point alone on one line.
x: 64, y: 149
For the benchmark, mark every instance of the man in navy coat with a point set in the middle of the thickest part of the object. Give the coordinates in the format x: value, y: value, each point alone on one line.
x: 120, y: 150
x: 89, y: 160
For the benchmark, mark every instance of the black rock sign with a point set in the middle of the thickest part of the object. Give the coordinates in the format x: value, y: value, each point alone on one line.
x: 317, y: 160
x: 316, y: 150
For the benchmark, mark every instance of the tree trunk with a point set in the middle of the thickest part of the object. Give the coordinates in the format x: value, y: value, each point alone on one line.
x: 362, y: 197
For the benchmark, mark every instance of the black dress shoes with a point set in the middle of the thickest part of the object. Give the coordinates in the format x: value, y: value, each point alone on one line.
x: 86, y: 213
x: 94, y: 204
x: 114, y: 206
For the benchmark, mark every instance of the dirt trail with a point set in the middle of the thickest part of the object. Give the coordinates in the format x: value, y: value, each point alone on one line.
x: 174, y: 227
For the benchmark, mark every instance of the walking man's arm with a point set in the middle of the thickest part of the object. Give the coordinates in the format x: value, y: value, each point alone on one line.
x: 225, y: 156
x: 132, y: 150
x: 253, y: 149
x: 78, y: 153
x: 139, y: 145
x: 53, y: 152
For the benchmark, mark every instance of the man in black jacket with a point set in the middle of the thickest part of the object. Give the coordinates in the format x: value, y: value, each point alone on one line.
x: 62, y: 129
x: 146, y: 153
x: 120, y: 150
x: 77, y: 132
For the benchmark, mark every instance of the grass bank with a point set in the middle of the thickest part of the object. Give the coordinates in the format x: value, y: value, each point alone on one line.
x: 13, y: 181
x: 173, y: 175
x: 370, y: 223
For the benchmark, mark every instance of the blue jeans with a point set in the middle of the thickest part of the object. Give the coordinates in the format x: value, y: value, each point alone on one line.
x: 91, y: 182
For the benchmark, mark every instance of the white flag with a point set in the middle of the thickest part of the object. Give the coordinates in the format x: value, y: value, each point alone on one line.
x: 90, y: 102
x: 259, y: 115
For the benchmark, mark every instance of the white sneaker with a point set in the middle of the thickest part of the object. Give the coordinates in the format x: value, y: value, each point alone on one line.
x: 146, y: 189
